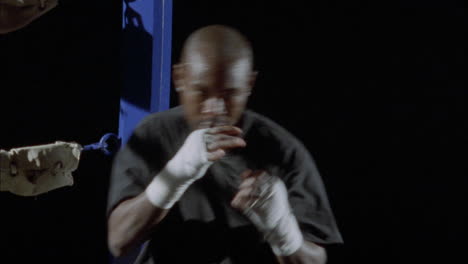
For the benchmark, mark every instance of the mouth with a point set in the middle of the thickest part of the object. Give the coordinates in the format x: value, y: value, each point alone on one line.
x: 214, y: 122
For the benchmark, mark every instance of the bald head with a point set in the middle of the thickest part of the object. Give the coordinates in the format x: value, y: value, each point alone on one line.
x: 217, y: 44
x: 215, y: 76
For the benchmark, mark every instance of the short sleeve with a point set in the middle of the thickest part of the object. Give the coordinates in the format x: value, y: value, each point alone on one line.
x: 308, y: 197
x: 135, y: 164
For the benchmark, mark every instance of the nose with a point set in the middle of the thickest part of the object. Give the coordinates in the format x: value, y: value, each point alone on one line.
x: 214, y: 106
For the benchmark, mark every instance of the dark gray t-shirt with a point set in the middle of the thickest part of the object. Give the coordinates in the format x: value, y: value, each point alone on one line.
x: 202, y: 227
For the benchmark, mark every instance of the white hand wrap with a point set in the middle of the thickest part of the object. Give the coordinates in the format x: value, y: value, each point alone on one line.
x: 188, y: 165
x: 272, y: 215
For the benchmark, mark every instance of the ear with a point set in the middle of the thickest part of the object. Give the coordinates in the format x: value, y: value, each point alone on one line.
x: 252, y: 79
x: 178, y: 74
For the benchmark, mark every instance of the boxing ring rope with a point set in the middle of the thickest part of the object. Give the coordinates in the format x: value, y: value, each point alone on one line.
x: 109, y: 144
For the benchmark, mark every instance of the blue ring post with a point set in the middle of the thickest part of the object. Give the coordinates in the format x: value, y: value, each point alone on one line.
x: 147, y: 33
x: 146, y: 62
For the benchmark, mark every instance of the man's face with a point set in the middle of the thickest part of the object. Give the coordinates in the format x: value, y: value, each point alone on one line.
x: 213, y: 94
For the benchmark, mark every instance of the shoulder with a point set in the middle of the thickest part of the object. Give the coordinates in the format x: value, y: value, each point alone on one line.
x: 153, y: 139
x: 156, y: 123
x: 172, y: 115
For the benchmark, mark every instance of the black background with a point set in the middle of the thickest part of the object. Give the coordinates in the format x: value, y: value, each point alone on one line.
x: 375, y: 90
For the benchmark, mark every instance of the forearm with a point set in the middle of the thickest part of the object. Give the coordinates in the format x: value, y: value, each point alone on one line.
x: 134, y: 219
x: 130, y: 223
x: 309, y: 253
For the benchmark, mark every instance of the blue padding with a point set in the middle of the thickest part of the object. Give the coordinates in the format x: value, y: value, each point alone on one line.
x: 146, y: 62
x: 147, y: 26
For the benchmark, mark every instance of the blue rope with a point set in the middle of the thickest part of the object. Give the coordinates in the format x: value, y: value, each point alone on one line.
x: 109, y: 144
